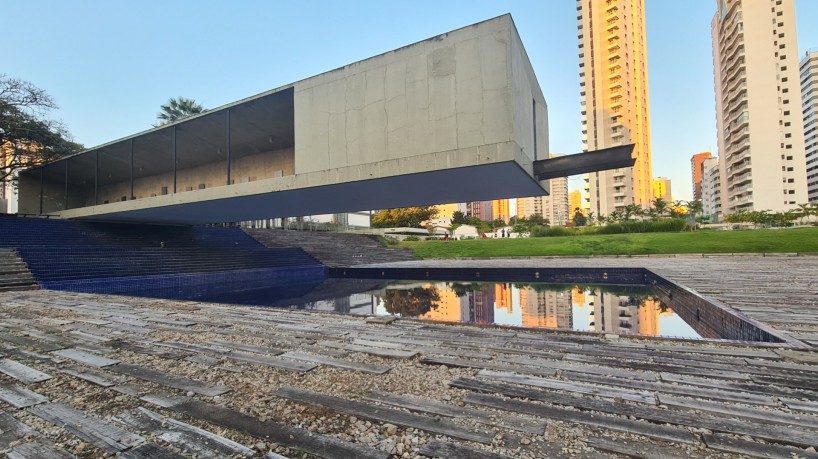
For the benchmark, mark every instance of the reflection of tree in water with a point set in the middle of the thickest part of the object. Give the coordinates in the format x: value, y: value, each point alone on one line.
x: 412, y: 302
x: 462, y: 289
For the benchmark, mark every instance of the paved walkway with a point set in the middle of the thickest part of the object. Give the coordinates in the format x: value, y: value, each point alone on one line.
x: 89, y: 375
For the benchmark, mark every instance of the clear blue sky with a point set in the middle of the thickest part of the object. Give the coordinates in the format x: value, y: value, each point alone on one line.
x: 110, y: 64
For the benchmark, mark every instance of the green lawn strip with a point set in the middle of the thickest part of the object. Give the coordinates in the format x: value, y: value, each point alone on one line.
x: 745, y: 241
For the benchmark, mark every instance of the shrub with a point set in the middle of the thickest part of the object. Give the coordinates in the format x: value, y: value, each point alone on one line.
x: 551, y: 231
x: 411, y: 238
x: 389, y: 240
x: 646, y: 226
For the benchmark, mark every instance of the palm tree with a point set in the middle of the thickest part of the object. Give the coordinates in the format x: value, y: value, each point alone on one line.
x: 632, y: 210
x: 805, y: 210
x: 177, y: 109
x: 590, y: 218
x: 660, y: 207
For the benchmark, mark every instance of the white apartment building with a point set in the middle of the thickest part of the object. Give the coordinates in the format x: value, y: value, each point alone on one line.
x: 758, y: 105
x: 711, y: 188
x: 809, y: 101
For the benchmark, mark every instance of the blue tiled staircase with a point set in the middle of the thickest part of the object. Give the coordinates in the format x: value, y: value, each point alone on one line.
x: 179, y: 261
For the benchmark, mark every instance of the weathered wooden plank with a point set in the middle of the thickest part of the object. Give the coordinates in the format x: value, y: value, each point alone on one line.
x: 719, y: 387
x: 770, y: 432
x: 640, y: 449
x: 732, y: 352
x: 12, y: 430
x: 571, y: 386
x: 170, y: 380
x: 727, y: 443
x: 85, y: 336
x: 22, y: 373
x: 800, y: 405
x: 357, y: 366
x: 247, y: 347
x: 437, y: 448
x: 592, y: 369
x: 175, y: 323
x: 94, y: 377
x: 275, y: 362
x: 86, y: 358
x: 383, y: 414
x: 381, y: 352
x: 445, y: 409
x: 200, y: 442
x: 810, y: 384
x: 20, y: 397
x: 461, y: 363
x: 735, y: 395
x: 150, y: 451
x: 27, y: 342
x: 661, y: 432
x: 101, y: 434
x: 37, y: 449
x: 734, y: 410
x: 309, y: 442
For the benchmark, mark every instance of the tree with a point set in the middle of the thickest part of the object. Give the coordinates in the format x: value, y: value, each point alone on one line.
x: 660, y: 208
x: 695, y: 207
x: 412, y: 302
x: 458, y: 218
x: 177, y: 109
x: 580, y: 219
x: 632, y: 210
x: 591, y: 218
x: 28, y: 137
x: 537, y: 219
x: 409, y: 217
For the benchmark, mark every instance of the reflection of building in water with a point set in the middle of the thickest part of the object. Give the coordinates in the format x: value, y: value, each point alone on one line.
x: 578, y: 296
x: 477, y: 306
x: 448, y: 307
x: 649, y: 318
x: 502, y: 297
x: 546, y: 309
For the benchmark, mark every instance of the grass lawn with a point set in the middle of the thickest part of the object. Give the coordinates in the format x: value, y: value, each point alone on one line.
x: 703, y: 241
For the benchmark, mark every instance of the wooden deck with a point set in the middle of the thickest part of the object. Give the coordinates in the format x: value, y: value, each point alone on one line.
x: 87, y: 374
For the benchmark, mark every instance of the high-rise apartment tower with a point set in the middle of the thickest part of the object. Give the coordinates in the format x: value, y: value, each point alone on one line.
x: 696, y: 172
x: 758, y: 105
x: 809, y: 98
x: 614, y: 92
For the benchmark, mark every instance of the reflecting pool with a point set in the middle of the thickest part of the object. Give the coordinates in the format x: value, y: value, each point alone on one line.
x: 624, y: 310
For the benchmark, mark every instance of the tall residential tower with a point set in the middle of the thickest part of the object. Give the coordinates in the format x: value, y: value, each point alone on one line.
x: 809, y: 97
x: 614, y: 92
x: 758, y: 105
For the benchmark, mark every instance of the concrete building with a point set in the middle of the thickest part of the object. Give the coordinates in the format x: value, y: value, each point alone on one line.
x: 809, y: 100
x: 696, y: 172
x: 711, y: 189
x: 660, y: 188
x: 455, y: 118
x: 480, y: 209
x: 574, y: 203
x: 758, y: 105
x: 500, y: 209
x: 614, y: 93
x: 553, y: 207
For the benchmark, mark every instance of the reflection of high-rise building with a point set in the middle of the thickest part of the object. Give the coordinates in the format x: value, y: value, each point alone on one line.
x: 614, y: 92
x: 477, y: 306
x: 614, y: 314
x: 758, y: 106
x: 549, y: 309
x: 448, y: 306
x: 502, y: 297
x: 649, y: 318
x: 578, y: 296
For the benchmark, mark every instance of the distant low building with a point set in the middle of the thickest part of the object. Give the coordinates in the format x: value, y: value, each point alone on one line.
x: 711, y: 189
x: 660, y: 189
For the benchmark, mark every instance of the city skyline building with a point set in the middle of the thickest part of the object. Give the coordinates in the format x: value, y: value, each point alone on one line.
x: 574, y: 203
x: 501, y: 210
x: 758, y: 106
x: 660, y: 188
x: 809, y: 101
x: 614, y: 99
x: 711, y: 188
x: 553, y: 207
x: 696, y: 172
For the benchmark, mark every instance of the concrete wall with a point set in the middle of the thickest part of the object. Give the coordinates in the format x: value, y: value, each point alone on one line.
x: 450, y: 92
